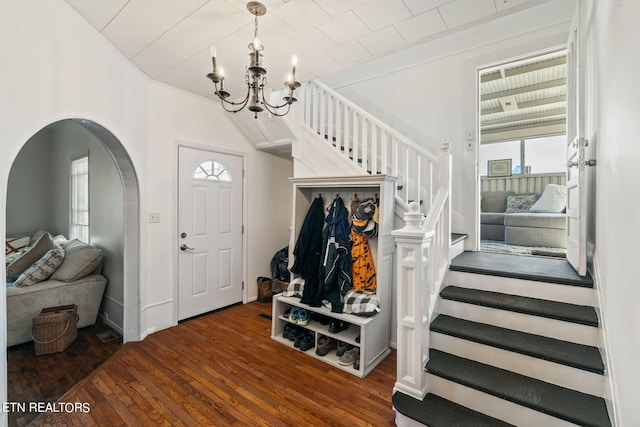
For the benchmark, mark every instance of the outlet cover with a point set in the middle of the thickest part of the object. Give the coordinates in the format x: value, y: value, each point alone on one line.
x: 154, y: 217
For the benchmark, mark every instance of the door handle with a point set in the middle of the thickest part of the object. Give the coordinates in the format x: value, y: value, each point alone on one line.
x: 590, y: 162
x: 184, y: 247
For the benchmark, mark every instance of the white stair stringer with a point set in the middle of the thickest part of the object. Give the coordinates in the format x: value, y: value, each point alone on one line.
x: 543, y: 290
x: 533, y: 367
x: 313, y: 157
x: 491, y: 405
x: 552, y: 328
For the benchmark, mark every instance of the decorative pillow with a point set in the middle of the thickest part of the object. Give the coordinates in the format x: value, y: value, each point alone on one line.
x: 361, y: 303
x: 14, y: 245
x: 553, y: 199
x: 42, y: 269
x: 80, y: 260
x: 495, y: 201
x: 295, y: 288
x: 31, y: 255
x: 60, y: 240
x: 520, y: 202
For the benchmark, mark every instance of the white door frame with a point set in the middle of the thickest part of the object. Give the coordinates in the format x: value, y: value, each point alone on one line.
x: 176, y: 224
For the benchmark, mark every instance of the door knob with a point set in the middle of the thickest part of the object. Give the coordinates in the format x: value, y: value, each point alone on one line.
x: 184, y: 247
x: 571, y: 164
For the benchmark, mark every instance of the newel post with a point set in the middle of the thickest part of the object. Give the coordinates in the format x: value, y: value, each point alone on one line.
x: 413, y: 301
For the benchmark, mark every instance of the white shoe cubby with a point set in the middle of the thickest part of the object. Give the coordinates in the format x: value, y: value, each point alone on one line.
x: 374, y: 331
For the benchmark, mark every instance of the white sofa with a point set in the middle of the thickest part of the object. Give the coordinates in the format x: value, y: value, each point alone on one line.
x: 25, y: 303
x: 74, y: 279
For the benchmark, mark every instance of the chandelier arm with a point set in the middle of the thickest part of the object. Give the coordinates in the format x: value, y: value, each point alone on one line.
x: 266, y: 103
x: 230, y: 110
x: 266, y: 106
x: 234, y: 103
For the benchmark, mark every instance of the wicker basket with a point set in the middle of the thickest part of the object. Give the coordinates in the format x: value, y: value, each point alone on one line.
x: 54, y: 329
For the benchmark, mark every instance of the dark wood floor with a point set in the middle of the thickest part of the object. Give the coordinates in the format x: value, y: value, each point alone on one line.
x: 46, y: 378
x: 223, y: 369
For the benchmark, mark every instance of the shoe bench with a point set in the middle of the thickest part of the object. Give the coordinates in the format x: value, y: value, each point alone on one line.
x: 374, y: 331
x: 373, y: 346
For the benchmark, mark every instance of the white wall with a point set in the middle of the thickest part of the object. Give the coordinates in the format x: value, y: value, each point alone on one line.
x: 428, y: 92
x: 613, y: 129
x: 55, y: 66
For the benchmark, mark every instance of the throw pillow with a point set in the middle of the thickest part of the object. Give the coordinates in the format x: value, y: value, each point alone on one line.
x: 15, y: 244
x: 495, y: 201
x: 31, y: 255
x: 520, y: 202
x: 42, y: 269
x: 553, y: 199
x: 80, y: 260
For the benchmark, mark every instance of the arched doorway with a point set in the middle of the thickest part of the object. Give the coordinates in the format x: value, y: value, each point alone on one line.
x: 125, y: 177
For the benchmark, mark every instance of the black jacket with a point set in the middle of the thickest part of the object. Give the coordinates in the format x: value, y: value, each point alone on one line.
x: 307, y: 253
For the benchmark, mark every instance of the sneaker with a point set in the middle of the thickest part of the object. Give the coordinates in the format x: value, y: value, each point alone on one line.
x: 294, y: 315
x: 288, y: 328
x: 303, y: 317
x: 307, y: 341
x: 338, y: 326
x: 293, y: 333
x: 349, y: 356
x: 299, y: 337
x: 287, y: 313
x: 325, y: 345
x: 341, y: 348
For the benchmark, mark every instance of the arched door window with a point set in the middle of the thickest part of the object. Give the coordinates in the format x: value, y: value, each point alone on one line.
x: 212, y: 170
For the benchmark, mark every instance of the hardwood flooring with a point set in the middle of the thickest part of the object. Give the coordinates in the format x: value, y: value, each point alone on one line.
x: 223, y: 369
x: 46, y: 378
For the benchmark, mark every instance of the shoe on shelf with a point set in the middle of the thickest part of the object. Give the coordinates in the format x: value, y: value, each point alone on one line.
x: 287, y: 313
x: 358, y: 339
x: 288, y: 328
x: 341, y: 347
x: 294, y: 315
x: 299, y: 337
x: 293, y: 332
x: 356, y: 364
x: 338, y: 326
x: 350, y: 356
x: 303, y: 317
x: 325, y: 345
x: 308, y: 341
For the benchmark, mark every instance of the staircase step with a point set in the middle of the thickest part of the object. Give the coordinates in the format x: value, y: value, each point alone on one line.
x: 573, y: 406
x: 580, y: 314
x: 540, y: 269
x: 566, y: 353
x: 434, y: 411
x: 458, y: 237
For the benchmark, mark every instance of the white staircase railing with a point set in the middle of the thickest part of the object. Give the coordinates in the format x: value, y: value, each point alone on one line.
x: 373, y: 146
x: 422, y: 259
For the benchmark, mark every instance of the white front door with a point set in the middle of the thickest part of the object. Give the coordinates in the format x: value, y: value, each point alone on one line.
x: 576, y: 184
x: 209, y: 231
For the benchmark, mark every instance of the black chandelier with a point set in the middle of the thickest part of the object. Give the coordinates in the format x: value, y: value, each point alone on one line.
x: 255, y: 77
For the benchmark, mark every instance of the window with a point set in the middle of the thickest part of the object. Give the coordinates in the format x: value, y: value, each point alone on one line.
x: 80, y: 199
x: 539, y: 155
x: 211, y: 170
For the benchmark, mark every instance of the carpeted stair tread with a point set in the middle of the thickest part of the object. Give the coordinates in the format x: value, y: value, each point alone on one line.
x: 578, y: 356
x: 570, y: 405
x: 541, y: 269
x: 434, y: 411
x: 580, y: 314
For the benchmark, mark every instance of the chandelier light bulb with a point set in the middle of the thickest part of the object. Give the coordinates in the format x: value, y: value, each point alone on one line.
x: 256, y: 43
x: 221, y: 72
x: 294, y: 62
x: 213, y: 51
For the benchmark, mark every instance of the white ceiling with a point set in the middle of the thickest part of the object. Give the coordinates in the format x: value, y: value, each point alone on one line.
x: 169, y: 40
